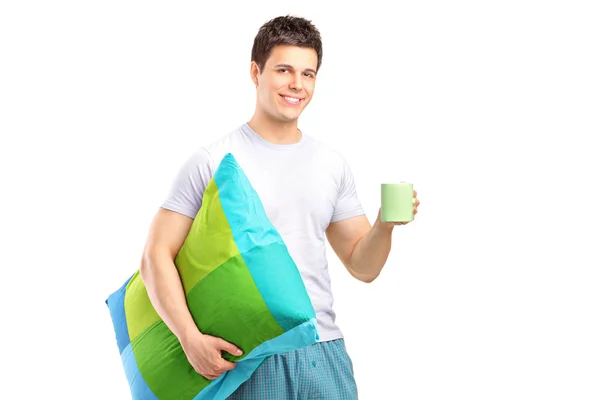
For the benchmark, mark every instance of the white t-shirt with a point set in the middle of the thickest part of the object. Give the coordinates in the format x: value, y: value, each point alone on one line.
x: 303, y: 187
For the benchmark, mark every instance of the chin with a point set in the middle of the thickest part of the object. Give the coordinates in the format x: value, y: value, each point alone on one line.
x: 291, y: 114
x: 290, y: 118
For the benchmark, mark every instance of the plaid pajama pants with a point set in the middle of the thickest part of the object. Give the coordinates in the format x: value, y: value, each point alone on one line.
x: 321, y: 371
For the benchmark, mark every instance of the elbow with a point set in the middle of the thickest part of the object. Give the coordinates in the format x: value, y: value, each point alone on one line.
x: 365, y: 278
x: 155, y: 260
x: 146, y: 265
x: 368, y: 279
x: 144, y: 268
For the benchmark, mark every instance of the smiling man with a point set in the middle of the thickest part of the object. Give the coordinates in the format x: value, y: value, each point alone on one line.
x: 308, y: 193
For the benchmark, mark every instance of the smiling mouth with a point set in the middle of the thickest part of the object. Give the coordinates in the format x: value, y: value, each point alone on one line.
x: 291, y: 100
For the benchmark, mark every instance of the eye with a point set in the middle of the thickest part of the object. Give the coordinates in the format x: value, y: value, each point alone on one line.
x: 282, y: 70
x: 309, y: 74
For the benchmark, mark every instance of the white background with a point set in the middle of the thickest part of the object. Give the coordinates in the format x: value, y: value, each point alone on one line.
x: 490, y: 108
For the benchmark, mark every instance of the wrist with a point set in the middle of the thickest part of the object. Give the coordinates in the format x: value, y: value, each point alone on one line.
x: 383, y: 227
x: 189, y: 334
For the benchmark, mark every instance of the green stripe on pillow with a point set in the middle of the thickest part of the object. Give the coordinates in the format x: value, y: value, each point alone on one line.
x: 208, y: 244
x: 164, y: 366
x: 138, y: 309
x: 244, y: 316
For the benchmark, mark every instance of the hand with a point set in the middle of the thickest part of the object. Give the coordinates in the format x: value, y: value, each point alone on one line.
x: 204, y: 354
x: 392, y: 224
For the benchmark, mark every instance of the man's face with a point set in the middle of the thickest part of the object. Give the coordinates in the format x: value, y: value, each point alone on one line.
x: 286, y: 83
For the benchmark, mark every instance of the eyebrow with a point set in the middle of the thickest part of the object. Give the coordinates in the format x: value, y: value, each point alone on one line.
x: 290, y: 67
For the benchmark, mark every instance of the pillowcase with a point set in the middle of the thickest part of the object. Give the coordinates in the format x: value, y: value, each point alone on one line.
x: 241, y: 284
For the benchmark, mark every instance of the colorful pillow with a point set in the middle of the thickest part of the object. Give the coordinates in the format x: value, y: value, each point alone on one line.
x: 241, y: 284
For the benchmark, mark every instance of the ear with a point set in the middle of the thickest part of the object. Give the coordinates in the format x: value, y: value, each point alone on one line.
x: 254, y: 73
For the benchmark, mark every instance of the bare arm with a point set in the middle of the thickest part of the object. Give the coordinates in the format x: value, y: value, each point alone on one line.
x: 362, y: 248
x: 167, y: 233
x: 159, y: 273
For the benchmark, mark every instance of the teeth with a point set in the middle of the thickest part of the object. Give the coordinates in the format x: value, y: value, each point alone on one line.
x: 293, y: 100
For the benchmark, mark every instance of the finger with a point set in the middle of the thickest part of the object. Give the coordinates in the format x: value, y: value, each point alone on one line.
x: 226, y: 366
x: 230, y: 348
x: 211, y: 373
x: 207, y: 375
x: 414, y: 193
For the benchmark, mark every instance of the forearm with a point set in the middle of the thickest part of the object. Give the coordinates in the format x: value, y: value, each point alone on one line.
x: 166, y: 293
x: 371, y: 252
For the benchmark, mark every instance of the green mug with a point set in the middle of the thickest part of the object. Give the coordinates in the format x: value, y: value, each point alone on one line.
x: 397, y: 201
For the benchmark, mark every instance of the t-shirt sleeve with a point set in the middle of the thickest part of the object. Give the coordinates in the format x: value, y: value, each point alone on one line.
x: 186, y: 191
x: 348, y: 204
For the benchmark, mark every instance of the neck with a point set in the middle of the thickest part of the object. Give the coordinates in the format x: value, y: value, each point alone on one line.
x: 277, y: 132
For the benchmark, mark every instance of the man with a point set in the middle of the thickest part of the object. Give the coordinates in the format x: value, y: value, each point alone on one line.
x: 308, y: 193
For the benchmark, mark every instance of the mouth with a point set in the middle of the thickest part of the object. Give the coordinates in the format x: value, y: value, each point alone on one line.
x: 293, y: 101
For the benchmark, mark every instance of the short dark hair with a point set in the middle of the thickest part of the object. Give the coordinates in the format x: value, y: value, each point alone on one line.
x: 286, y: 30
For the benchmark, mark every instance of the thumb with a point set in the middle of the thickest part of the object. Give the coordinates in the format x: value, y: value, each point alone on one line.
x: 230, y: 348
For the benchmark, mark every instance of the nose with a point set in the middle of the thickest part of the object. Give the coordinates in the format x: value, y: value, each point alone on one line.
x: 296, y: 82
